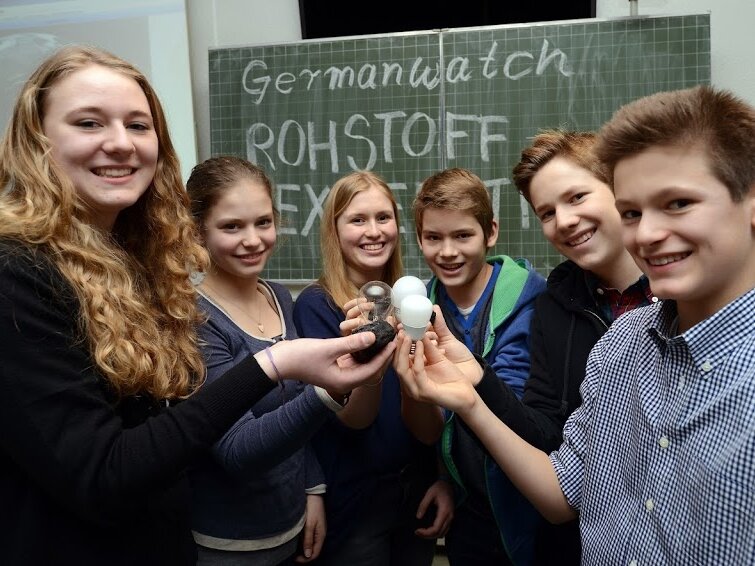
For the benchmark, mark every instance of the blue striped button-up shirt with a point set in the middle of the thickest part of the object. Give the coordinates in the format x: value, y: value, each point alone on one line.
x: 660, y: 458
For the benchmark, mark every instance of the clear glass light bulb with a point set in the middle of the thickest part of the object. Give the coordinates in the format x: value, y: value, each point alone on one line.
x: 375, y: 304
x: 416, y: 311
x: 404, y: 287
x: 379, y: 295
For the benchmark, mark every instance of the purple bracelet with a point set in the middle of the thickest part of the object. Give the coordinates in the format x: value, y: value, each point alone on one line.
x: 272, y: 361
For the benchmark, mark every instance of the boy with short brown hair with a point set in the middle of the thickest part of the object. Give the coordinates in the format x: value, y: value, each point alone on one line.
x: 488, y: 304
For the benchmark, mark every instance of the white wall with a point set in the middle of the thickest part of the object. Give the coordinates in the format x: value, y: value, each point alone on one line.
x: 229, y: 23
x: 226, y: 23
x: 732, y: 38
x: 151, y: 34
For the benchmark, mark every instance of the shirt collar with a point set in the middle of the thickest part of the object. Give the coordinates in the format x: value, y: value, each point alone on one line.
x: 710, y: 340
x: 594, y: 284
x: 612, y: 303
x: 716, y: 336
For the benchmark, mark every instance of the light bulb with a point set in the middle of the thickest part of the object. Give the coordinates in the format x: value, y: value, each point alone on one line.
x: 416, y: 311
x: 404, y: 287
x: 379, y: 295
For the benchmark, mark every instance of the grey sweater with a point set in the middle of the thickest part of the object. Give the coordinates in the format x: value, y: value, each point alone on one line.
x: 253, y: 485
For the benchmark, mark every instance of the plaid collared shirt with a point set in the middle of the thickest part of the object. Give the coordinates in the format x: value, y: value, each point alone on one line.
x: 660, y: 458
x: 613, y: 303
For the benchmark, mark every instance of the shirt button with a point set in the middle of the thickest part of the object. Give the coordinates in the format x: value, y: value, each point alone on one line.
x: 663, y: 442
x: 632, y: 563
x: 706, y: 366
x: 654, y: 299
x: 649, y: 505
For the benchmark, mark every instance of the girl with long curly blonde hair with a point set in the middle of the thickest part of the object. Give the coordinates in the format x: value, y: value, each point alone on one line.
x: 139, y: 309
x: 98, y: 322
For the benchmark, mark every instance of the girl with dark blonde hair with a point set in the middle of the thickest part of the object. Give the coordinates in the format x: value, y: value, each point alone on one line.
x: 258, y: 497
x: 98, y: 319
x: 377, y: 455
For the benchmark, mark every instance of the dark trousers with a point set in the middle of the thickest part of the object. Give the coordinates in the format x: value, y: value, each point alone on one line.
x: 474, y: 540
x: 279, y: 556
x: 384, y: 534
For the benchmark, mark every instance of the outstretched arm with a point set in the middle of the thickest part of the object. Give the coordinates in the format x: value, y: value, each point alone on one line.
x: 324, y: 362
x: 431, y: 376
x: 64, y: 432
x: 538, y: 416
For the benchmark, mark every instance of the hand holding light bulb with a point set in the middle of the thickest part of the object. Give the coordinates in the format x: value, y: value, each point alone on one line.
x: 375, y: 301
x: 413, y: 309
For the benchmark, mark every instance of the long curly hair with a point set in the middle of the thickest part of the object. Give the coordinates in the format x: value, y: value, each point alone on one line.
x: 138, y: 309
x: 334, y: 279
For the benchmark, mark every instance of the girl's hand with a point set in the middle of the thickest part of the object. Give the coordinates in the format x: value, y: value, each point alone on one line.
x: 354, y: 317
x: 326, y: 362
x: 315, y: 528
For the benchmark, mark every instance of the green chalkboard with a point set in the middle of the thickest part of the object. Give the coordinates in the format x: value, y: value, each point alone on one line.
x: 407, y: 105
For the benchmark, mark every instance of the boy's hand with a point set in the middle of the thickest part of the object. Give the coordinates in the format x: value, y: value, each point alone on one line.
x: 440, y: 494
x: 453, y: 349
x: 431, y: 377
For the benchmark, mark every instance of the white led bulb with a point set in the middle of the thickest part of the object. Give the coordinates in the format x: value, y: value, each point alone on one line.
x: 405, y: 287
x: 416, y: 311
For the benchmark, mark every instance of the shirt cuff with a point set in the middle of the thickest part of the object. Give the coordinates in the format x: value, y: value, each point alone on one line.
x: 316, y: 489
x: 329, y: 402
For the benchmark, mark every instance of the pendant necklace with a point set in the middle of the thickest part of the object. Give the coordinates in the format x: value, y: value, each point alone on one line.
x: 256, y: 320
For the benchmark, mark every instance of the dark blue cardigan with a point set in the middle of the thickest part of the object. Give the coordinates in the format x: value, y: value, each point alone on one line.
x: 352, y: 460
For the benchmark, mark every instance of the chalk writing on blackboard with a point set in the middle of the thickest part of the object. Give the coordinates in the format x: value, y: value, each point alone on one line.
x: 407, y: 105
x: 256, y: 80
x: 267, y: 147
